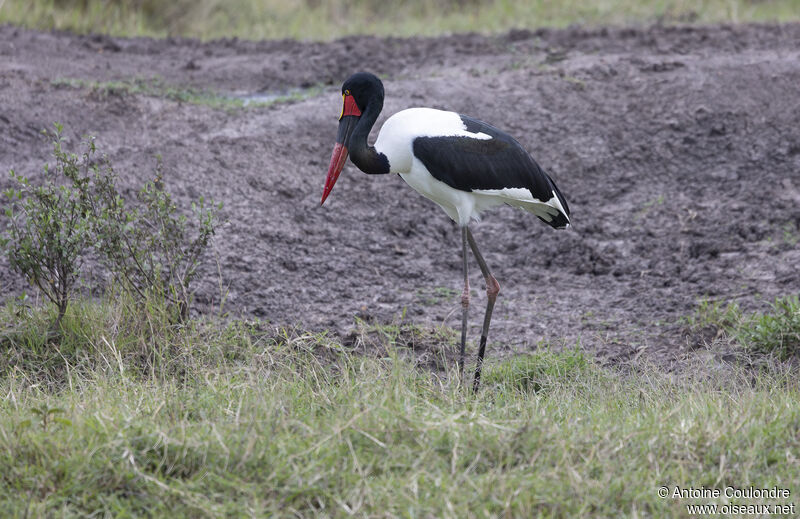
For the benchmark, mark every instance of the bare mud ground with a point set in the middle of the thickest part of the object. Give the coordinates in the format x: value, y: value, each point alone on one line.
x: 677, y: 148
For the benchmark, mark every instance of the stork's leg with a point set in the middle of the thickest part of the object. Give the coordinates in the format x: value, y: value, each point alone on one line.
x: 464, y: 302
x: 492, y: 289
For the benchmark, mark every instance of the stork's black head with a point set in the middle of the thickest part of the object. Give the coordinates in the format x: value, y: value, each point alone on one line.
x: 361, y: 92
x: 364, y: 87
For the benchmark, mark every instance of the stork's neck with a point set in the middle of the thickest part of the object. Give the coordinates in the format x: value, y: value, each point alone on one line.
x: 364, y: 156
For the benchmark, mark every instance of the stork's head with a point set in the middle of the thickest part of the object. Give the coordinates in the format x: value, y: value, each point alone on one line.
x: 358, y: 91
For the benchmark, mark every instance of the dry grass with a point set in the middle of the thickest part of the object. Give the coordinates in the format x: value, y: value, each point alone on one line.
x: 328, y: 19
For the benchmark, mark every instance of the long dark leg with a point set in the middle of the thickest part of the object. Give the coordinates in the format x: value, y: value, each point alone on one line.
x: 492, y: 289
x: 464, y: 301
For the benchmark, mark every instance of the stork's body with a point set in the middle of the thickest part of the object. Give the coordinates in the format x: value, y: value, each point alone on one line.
x: 462, y: 164
x: 458, y: 162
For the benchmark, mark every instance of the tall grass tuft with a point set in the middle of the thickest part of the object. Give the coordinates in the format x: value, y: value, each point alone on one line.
x: 775, y: 332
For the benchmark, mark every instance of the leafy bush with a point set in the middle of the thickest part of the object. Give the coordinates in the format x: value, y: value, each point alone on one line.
x: 149, y: 247
x: 48, y: 229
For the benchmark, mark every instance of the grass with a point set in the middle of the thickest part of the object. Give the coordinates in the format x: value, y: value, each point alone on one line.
x: 791, y: 233
x: 155, y: 87
x: 431, y: 296
x: 328, y: 19
x: 131, y: 416
x: 774, y: 332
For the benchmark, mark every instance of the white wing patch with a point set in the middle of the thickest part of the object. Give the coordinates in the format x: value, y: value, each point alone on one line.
x: 480, y: 135
x: 522, y: 198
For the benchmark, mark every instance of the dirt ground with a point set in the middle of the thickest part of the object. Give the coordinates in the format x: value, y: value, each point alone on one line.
x: 678, y: 150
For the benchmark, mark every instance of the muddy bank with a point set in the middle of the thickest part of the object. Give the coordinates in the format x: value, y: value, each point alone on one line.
x: 677, y: 148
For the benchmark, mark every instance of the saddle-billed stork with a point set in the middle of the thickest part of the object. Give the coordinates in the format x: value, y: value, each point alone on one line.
x: 461, y: 163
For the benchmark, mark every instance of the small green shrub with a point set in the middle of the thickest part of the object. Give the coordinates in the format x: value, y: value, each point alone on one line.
x: 48, y: 229
x: 149, y: 247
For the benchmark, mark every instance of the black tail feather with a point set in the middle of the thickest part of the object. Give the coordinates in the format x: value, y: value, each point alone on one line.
x: 560, y: 221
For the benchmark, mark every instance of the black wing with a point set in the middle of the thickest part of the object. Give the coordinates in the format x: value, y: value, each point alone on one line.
x: 467, y: 163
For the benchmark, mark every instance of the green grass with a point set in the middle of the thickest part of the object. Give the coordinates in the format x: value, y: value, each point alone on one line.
x: 130, y: 416
x: 328, y: 19
x: 155, y: 87
x: 791, y: 233
x: 774, y: 332
x: 431, y: 296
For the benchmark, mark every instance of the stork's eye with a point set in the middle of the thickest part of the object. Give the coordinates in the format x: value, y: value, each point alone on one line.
x: 347, y: 92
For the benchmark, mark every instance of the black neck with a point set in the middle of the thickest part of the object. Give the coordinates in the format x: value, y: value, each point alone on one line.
x: 364, y: 156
